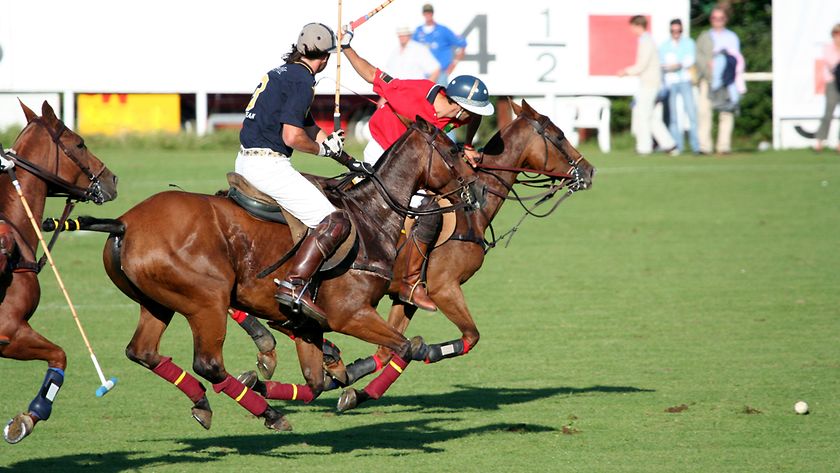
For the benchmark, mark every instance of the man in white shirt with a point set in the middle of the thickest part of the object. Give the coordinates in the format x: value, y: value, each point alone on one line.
x: 646, y: 124
x: 412, y: 60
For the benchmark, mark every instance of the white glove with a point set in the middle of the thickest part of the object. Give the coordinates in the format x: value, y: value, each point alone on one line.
x: 332, y: 145
x: 6, y: 164
x: 346, y: 36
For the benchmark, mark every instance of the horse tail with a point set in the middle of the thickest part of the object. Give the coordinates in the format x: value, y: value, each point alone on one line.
x: 93, y: 224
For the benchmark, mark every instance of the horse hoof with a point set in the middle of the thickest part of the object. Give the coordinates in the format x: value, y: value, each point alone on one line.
x: 266, y: 363
x: 202, y: 414
x: 274, y: 420
x: 349, y: 400
x: 248, y: 378
x: 18, y: 428
x: 419, y: 349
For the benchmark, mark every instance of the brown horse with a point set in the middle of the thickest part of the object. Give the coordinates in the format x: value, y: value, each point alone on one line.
x: 530, y: 143
x: 50, y: 160
x: 199, y: 254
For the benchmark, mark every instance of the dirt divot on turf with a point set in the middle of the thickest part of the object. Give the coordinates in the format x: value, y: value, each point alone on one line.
x: 750, y: 410
x: 677, y: 409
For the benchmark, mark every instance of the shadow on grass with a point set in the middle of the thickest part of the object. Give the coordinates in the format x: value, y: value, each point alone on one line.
x: 420, y: 435
x: 464, y: 398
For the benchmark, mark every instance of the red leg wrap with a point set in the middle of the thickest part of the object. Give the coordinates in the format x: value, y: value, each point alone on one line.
x: 466, y: 345
x: 253, y: 402
x: 378, y: 362
x: 180, y: 378
x: 392, y: 371
x: 289, y: 392
x: 238, y: 315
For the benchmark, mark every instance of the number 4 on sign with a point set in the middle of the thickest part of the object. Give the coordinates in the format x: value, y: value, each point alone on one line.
x: 483, y: 57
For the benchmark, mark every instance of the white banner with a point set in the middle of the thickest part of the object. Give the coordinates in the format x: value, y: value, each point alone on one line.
x: 800, y: 31
x: 537, y: 47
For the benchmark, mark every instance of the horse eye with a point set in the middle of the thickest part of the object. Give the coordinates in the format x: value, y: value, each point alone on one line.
x: 81, y: 145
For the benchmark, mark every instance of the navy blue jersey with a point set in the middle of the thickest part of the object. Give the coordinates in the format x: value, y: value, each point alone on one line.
x: 283, y: 96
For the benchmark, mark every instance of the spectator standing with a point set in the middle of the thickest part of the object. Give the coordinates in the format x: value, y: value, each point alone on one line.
x: 677, y: 54
x: 445, y: 46
x: 711, y: 43
x: 831, y: 61
x: 412, y: 60
x: 645, y: 124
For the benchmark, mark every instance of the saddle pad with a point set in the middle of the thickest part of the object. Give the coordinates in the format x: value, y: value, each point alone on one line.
x: 296, y: 227
x: 447, y: 226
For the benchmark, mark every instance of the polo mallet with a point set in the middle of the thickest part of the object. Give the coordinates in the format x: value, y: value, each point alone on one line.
x: 337, y: 111
x: 370, y: 14
x: 107, y: 385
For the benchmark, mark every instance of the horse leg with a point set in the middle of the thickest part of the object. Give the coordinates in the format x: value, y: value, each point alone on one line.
x: 311, y: 364
x: 399, y: 318
x: 143, y: 350
x: 450, y: 300
x: 208, y: 338
x: 263, y: 339
x: 24, y: 343
x: 368, y: 326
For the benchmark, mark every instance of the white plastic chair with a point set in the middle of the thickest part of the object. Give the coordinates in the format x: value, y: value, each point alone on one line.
x: 594, y: 112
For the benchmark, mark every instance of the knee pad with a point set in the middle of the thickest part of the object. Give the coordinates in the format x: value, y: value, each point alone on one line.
x: 41, y: 406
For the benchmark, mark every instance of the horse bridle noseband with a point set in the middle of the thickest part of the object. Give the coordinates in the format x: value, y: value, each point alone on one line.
x: 82, y: 194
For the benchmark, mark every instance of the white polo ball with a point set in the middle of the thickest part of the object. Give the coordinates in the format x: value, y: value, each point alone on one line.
x: 801, y: 407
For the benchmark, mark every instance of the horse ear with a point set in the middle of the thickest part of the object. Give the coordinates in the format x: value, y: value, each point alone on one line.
x: 422, y: 124
x: 517, y: 110
x: 528, y: 108
x: 27, y: 112
x: 48, y: 113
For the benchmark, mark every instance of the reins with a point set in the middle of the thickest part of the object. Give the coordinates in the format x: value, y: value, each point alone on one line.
x: 465, y: 197
x: 66, y: 188
x: 571, y: 179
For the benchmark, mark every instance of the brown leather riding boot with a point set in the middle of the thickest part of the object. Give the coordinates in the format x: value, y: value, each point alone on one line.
x: 412, y: 288
x: 316, y: 247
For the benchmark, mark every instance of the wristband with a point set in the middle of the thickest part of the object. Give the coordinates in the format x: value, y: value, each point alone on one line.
x: 469, y: 147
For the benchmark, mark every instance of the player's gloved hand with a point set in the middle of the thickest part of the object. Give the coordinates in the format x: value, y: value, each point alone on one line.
x: 332, y: 146
x: 346, y: 36
x: 6, y: 164
x: 360, y: 167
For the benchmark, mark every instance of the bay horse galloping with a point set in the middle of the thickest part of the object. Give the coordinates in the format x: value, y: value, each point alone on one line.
x: 530, y: 144
x: 198, y: 255
x: 50, y: 160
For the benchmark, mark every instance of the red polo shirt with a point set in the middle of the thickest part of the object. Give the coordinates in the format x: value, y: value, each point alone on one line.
x: 409, y: 98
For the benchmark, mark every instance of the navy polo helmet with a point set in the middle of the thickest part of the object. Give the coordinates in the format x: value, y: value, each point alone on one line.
x: 470, y: 93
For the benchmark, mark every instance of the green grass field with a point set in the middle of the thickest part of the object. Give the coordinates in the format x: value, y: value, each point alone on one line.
x: 706, y: 282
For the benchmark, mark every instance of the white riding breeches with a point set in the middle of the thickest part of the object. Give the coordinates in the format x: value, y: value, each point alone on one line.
x: 275, y: 176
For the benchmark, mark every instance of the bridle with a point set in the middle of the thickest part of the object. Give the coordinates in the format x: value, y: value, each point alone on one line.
x: 572, y: 180
x: 60, y: 187
x: 467, y: 196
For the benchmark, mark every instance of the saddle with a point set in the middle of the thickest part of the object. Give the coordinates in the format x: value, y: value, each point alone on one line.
x: 447, y: 225
x: 263, y: 207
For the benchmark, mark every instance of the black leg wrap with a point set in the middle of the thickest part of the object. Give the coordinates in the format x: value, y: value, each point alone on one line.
x: 360, y: 368
x: 262, y: 338
x: 332, y: 354
x: 426, y: 227
x: 449, y: 349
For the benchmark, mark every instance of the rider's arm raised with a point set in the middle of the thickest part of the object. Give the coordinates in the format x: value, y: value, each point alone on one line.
x: 365, y: 70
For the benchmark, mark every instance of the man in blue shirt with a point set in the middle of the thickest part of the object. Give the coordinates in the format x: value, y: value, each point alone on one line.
x: 277, y: 122
x: 446, y: 46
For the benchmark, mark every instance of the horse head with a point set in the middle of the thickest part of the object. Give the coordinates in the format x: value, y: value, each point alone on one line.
x: 546, y: 147
x: 58, y: 155
x: 442, y: 170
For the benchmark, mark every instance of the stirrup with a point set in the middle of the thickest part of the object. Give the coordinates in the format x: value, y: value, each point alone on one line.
x: 294, y: 303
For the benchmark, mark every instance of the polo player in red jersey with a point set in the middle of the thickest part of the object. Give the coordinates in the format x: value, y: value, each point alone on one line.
x: 463, y: 102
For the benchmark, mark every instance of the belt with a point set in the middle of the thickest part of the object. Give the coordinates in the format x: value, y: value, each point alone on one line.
x: 260, y: 152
